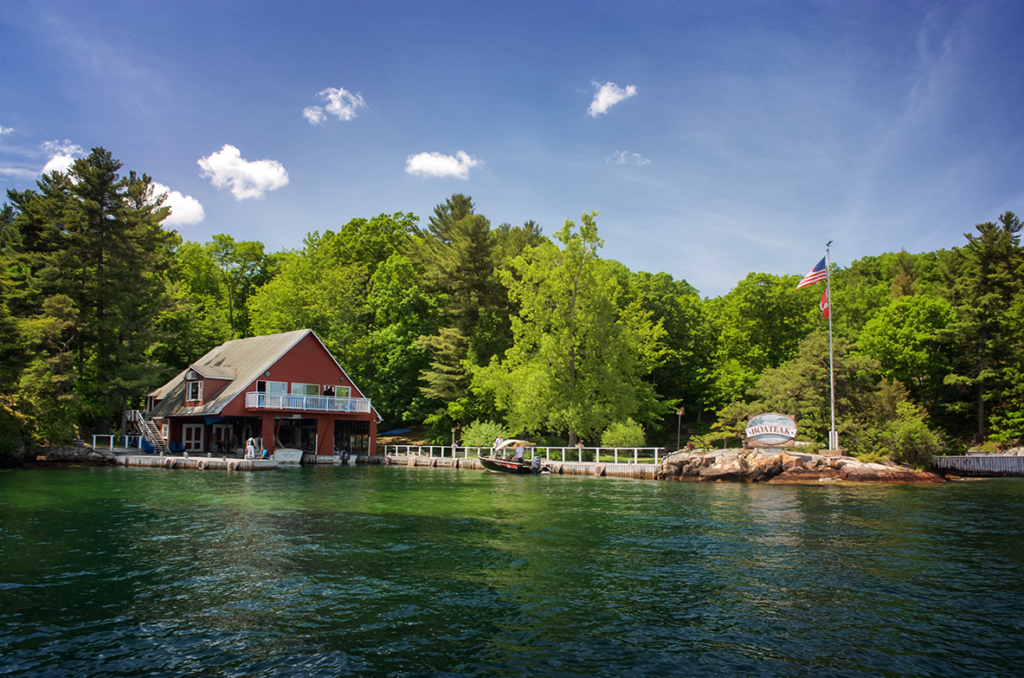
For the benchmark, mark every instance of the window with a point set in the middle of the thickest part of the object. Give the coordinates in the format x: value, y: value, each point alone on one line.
x: 306, y: 389
x: 194, y: 390
x: 336, y: 391
x: 271, y: 386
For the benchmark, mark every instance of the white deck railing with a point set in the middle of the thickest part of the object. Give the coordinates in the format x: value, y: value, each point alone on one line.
x: 600, y: 454
x: 286, y: 401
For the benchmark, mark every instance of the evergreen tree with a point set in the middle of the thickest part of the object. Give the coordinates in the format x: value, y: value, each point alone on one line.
x: 92, y: 239
x: 985, y: 277
x: 457, y: 255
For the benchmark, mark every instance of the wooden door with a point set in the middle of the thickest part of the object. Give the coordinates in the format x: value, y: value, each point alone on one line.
x: 193, y: 435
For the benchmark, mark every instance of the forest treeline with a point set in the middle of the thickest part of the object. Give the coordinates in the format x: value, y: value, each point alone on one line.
x: 453, y: 322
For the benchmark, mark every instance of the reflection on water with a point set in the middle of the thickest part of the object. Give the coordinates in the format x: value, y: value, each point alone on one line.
x: 392, y: 571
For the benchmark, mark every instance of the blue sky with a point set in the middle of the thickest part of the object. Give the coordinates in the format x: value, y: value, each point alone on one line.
x: 715, y: 138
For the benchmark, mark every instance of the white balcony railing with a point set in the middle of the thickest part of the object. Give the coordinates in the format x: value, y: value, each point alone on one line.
x: 286, y: 401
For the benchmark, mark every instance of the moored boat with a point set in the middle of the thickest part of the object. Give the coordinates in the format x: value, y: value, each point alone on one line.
x: 288, y: 455
x: 499, y: 465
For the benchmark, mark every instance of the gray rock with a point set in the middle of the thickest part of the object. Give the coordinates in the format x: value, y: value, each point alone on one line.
x: 777, y: 466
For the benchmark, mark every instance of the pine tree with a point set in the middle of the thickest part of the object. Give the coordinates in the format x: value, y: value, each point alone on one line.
x: 93, y: 240
x: 986, y: 282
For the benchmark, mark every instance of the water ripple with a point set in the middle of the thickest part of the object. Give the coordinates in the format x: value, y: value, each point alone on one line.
x: 373, y: 571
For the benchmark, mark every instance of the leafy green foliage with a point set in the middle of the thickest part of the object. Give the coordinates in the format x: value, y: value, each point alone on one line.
x: 801, y: 388
x: 904, y: 338
x: 483, y: 433
x: 243, y: 267
x: 898, y: 430
x: 679, y: 361
x: 623, y: 434
x: 460, y: 322
x: 357, y: 291
x: 757, y: 326
x: 575, y: 363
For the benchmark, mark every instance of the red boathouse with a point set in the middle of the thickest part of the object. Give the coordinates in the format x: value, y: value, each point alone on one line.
x: 286, y: 390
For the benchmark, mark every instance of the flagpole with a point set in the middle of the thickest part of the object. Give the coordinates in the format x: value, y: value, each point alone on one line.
x: 833, y: 435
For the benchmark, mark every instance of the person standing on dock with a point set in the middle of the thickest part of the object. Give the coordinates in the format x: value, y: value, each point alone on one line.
x: 250, y: 449
x: 497, y: 444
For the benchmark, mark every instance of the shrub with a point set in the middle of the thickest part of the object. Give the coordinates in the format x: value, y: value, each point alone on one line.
x: 482, y: 434
x: 623, y: 434
x: 906, y: 439
x: 10, y: 436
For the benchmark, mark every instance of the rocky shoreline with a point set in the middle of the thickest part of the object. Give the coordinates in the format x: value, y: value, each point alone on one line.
x: 783, y: 466
x: 72, y: 455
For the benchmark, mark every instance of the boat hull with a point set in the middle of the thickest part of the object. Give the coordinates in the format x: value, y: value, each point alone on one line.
x: 288, y: 456
x: 498, y: 465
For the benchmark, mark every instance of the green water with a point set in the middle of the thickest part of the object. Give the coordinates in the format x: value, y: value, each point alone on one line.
x: 434, y: 572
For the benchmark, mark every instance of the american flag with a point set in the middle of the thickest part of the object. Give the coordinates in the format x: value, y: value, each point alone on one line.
x: 817, y: 274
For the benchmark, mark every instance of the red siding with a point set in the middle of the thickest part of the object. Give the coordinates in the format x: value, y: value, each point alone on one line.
x: 307, y: 362
x: 211, y: 387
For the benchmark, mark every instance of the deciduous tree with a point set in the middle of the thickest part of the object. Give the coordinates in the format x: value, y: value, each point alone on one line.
x: 573, y: 367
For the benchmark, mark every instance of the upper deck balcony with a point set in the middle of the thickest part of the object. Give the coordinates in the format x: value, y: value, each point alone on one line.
x: 307, y: 403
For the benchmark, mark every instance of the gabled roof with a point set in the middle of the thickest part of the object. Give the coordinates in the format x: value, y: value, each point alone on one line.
x: 242, y: 360
x: 215, y: 372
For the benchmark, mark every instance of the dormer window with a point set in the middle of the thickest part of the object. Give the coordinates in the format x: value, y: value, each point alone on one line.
x: 193, y: 390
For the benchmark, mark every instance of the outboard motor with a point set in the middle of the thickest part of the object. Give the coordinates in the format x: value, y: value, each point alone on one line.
x: 535, y: 465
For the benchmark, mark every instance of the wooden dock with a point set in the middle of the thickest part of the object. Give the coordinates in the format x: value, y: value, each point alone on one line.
x: 568, y: 468
x: 196, y: 463
x: 980, y: 466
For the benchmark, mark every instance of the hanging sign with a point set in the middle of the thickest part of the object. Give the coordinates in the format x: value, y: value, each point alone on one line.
x: 771, y: 430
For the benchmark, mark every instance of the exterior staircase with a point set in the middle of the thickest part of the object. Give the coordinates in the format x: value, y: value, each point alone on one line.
x: 149, y: 431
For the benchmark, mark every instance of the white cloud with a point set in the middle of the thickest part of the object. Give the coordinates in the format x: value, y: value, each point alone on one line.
x: 314, y: 114
x: 58, y: 163
x: 61, y: 155
x: 607, y: 96
x: 340, y: 102
x: 184, y: 208
x: 5, y: 130
x: 439, y: 165
x: 247, y: 179
x: 627, y: 158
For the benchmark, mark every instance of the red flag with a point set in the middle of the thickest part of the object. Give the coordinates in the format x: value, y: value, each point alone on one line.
x: 826, y: 310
